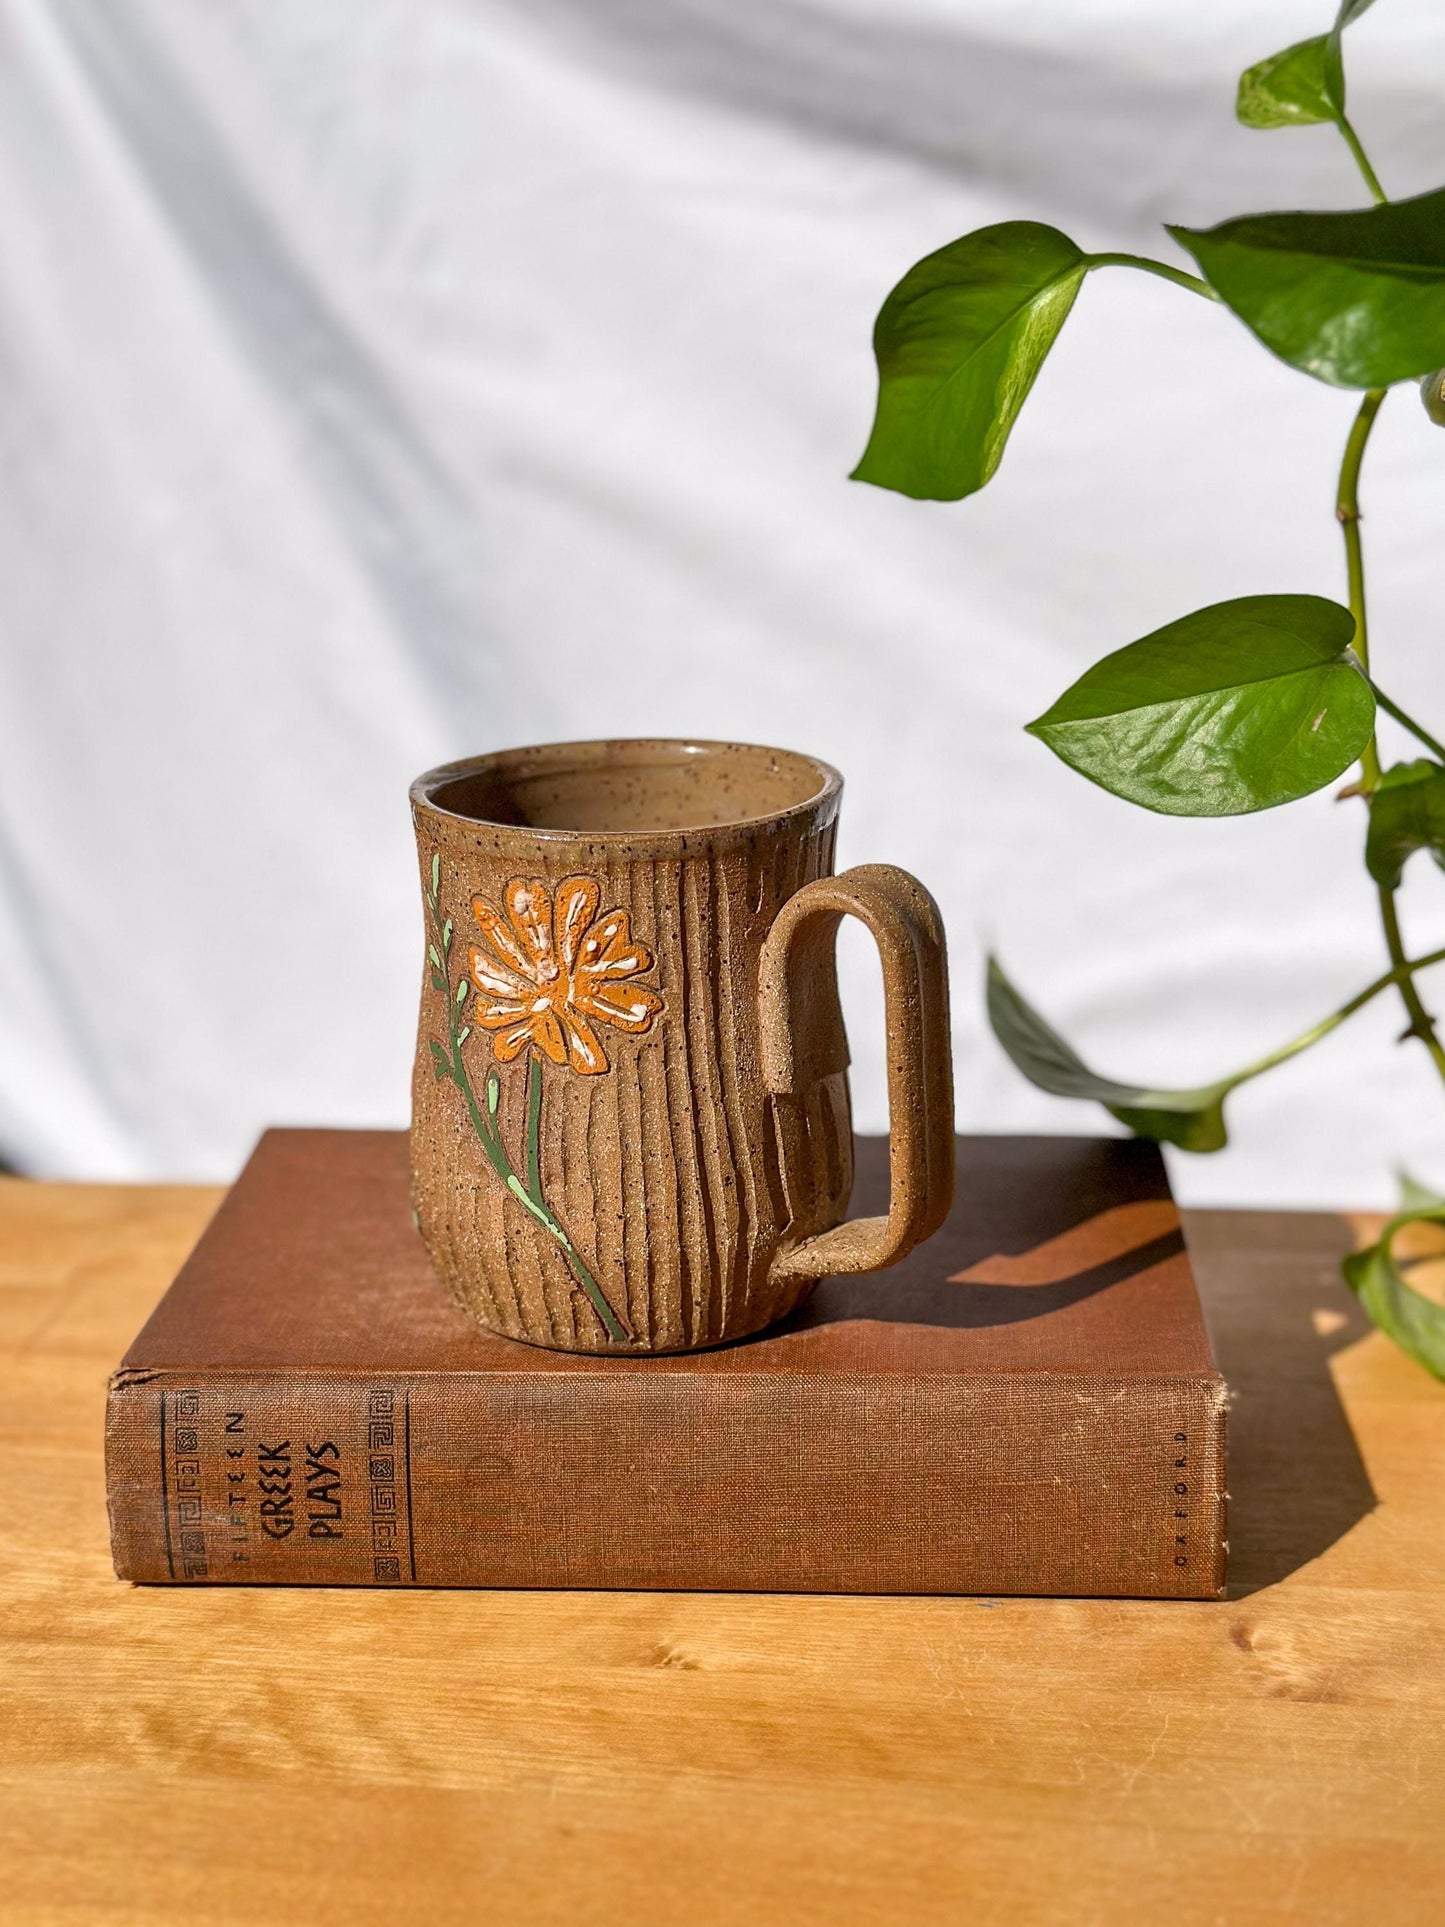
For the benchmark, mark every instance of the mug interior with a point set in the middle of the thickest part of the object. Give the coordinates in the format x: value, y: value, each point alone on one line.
x: 628, y: 787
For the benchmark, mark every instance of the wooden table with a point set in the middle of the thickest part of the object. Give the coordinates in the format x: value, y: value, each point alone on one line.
x: 199, y: 1756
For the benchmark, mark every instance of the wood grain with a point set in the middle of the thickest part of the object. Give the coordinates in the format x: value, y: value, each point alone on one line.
x: 267, y: 1756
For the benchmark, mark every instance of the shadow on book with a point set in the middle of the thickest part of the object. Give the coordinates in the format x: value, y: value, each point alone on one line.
x: 1004, y: 1289
x: 1098, y: 1214
x: 1276, y: 1306
x: 1297, y: 1483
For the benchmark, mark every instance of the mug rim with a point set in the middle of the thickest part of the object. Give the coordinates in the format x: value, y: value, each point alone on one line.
x: 599, y: 751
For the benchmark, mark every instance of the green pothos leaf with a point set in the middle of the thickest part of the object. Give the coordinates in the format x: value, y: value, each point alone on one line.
x: 1302, y: 85
x: 1354, y: 296
x: 441, y: 1063
x: 1407, y: 813
x: 1288, y: 89
x: 1242, y: 706
x: 1415, y: 1322
x: 959, y: 342
x: 1192, y: 1119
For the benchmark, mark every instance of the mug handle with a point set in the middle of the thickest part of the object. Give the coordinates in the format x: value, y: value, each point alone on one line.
x: 798, y: 968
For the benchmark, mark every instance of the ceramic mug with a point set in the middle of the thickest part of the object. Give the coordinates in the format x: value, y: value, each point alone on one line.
x: 630, y: 1127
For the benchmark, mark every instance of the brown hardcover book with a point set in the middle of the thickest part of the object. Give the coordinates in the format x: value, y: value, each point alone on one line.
x: 1028, y: 1404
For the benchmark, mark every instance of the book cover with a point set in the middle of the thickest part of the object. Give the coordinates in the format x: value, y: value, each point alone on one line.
x: 1027, y: 1404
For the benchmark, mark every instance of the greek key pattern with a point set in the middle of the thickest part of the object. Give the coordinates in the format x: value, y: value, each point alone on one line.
x: 392, y: 1557
x: 183, y: 1488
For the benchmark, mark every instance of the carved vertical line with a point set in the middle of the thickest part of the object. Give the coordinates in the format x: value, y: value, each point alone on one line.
x: 704, y: 1097
x: 719, y: 1203
x: 503, y: 1298
x: 564, y: 1119
x: 487, y: 1213
x: 731, y: 1148
x: 621, y: 1202
x: 529, y: 1252
x: 587, y: 1225
x: 631, y: 1200
x: 679, y: 1107
x: 733, y: 950
x: 784, y: 861
x: 631, y: 1125
x: 645, y: 1124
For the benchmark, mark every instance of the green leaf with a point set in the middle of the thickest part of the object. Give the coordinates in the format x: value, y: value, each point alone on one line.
x: 447, y: 934
x: 1304, y: 84
x: 1407, y: 813
x: 436, y: 871
x: 1414, y: 1321
x: 438, y: 982
x: 434, y: 954
x: 1238, y: 707
x: 494, y: 1093
x: 959, y: 342
x: 441, y: 1063
x: 463, y: 1034
x: 462, y: 992
x: 1288, y: 89
x: 1354, y: 298
x: 1192, y: 1119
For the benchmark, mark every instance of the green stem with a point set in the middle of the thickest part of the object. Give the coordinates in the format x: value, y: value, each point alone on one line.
x: 1362, y: 159
x: 542, y: 1212
x: 1178, y: 276
x: 1401, y: 972
x: 1394, y: 709
x: 1347, y: 512
x: 1347, y: 508
x: 1421, y: 1023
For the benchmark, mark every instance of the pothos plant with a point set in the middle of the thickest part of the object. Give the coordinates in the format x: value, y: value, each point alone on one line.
x: 1250, y: 703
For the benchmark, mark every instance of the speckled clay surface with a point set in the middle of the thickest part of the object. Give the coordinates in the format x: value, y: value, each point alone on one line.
x: 630, y: 1110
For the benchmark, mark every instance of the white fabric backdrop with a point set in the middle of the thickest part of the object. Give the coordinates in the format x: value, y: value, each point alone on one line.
x: 384, y: 380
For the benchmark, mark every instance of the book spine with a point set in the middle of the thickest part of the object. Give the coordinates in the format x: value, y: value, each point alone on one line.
x: 885, y: 1483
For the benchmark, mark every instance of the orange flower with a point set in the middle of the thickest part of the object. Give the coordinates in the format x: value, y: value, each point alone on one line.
x: 552, y: 972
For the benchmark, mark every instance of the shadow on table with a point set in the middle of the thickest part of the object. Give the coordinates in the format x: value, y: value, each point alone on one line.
x: 1278, y: 1311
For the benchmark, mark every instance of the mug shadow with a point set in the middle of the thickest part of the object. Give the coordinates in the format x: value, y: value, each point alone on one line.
x: 1095, y: 1214
x: 959, y: 1302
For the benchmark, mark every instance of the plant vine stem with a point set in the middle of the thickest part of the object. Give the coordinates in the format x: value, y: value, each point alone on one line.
x: 1347, y: 509
x: 1401, y: 973
x: 1178, y: 276
x: 1421, y: 1023
x: 1362, y: 159
x: 1394, y: 709
x: 1347, y: 513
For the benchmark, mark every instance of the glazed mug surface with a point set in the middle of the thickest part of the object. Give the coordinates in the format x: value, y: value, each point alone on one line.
x: 631, y: 1128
